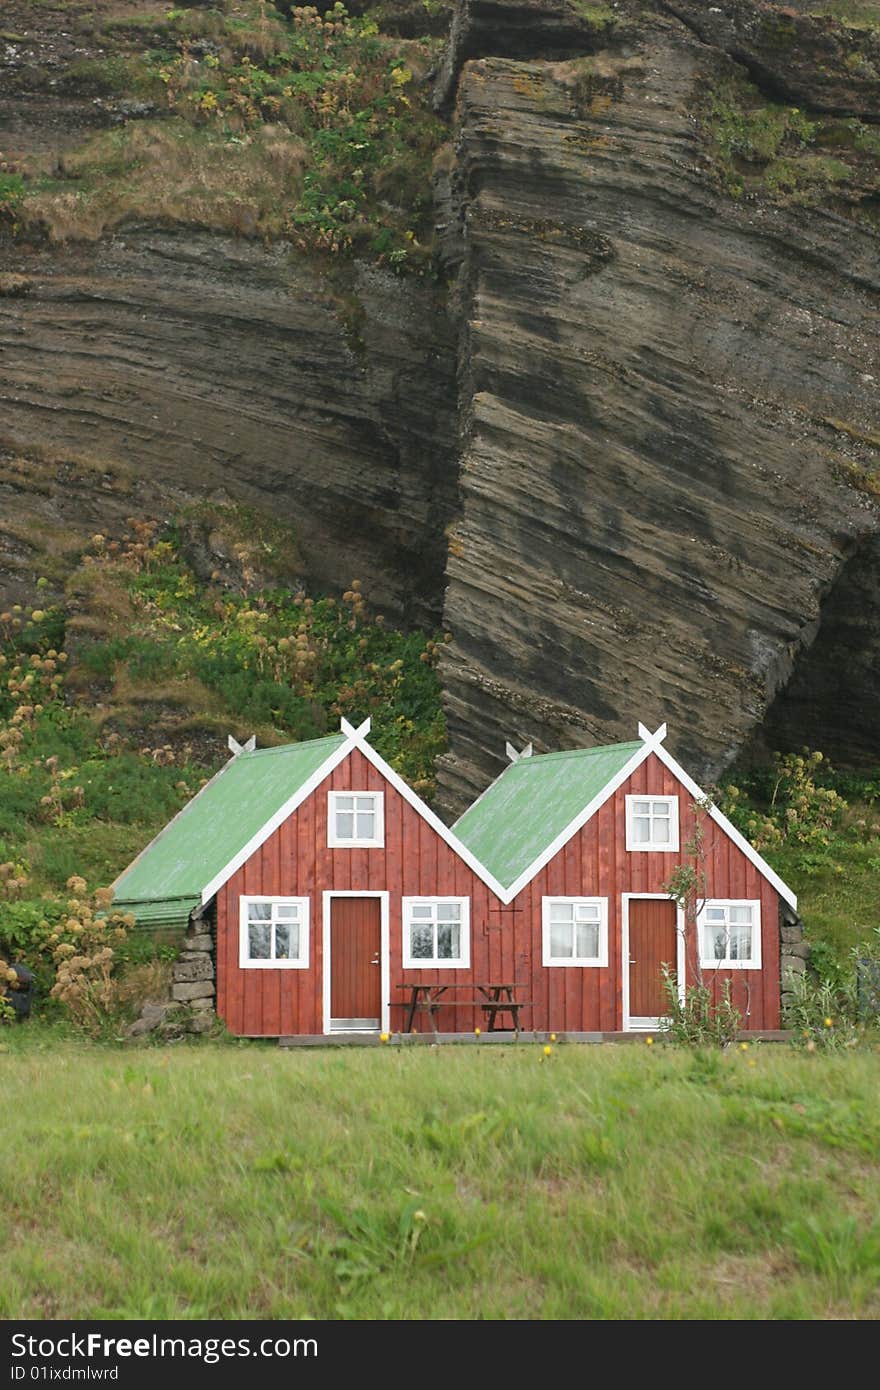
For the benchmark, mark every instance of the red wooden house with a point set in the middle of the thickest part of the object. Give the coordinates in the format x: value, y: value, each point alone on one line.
x: 332, y: 889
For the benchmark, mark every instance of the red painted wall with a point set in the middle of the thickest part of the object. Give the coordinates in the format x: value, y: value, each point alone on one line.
x: 505, y: 941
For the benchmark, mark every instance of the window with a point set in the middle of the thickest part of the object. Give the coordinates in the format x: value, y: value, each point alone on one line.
x: 436, y: 933
x: 575, y: 931
x: 274, y: 934
x: 652, y: 822
x: 730, y: 935
x: 355, y: 820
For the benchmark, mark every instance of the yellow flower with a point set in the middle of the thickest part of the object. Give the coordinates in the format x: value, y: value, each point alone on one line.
x: 743, y: 1047
x: 383, y: 1037
x: 649, y: 1042
x: 752, y: 1062
x: 477, y: 1032
x: 552, y: 1037
x: 548, y: 1050
x: 829, y: 1023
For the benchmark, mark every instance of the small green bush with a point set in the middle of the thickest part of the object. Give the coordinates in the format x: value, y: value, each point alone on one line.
x: 699, y: 1020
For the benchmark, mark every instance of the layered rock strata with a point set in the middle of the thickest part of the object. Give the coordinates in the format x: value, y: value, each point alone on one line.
x: 668, y: 421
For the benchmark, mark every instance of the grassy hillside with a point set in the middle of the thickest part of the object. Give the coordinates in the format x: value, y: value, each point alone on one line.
x: 116, y: 704
x: 479, y: 1182
x: 312, y: 127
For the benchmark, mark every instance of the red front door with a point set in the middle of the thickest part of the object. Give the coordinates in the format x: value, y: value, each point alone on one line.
x: 653, y: 943
x: 355, y: 962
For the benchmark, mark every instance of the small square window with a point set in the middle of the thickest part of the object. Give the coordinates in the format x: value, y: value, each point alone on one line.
x: 274, y: 933
x: 575, y: 931
x: 652, y: 823
x: 355, y: 820
x: 730, y: 935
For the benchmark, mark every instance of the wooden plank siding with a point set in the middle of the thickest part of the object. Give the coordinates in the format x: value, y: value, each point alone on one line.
x: 506, y: 940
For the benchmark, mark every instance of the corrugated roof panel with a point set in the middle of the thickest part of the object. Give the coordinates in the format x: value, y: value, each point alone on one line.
x: 165, y: 912
x: 212, y: 828
x: 532, y: 802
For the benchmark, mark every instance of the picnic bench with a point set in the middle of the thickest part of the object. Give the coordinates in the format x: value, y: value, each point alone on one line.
x: 429, y: 996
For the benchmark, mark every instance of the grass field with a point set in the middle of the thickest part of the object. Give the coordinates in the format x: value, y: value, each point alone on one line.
x: 237, y: 1180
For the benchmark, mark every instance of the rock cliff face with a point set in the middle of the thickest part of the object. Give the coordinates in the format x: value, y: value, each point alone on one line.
x: 639, y: 431
x: 201, y: 363
x: 666, y: 405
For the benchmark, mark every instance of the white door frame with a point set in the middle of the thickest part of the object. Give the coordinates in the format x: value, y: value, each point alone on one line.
x: 384, y: 950
x: 635, y: 1025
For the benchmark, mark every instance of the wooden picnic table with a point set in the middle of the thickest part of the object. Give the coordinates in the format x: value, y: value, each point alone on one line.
x: 427, y: 996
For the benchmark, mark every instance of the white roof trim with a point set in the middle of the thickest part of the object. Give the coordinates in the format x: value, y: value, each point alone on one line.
x: 354, y: 738
x: 330, y: 762
x: 580, y: 820
x: 729, y: 829
x: 357, y: 738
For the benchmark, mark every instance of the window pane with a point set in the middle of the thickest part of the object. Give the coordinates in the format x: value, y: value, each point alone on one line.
x: 560, y: 941
x: 421, y: 942
x: 641, y: 808
x: 286, y: 912
x: 366, y: 825
x: 587, y: 912
x: 561, y: 912
x: 344, y: 825
x: 259, y: 941
x: 661, y: 832
x: 449, y: 912
x: 287, y: 941
x: 448, y: 934
x: 716, y: 943
x: 641, y: 830
x: 715, y: 914
x: 365, y: 803
x: 588, y: 941
x: 660, y: 808
x: 345, y: 803
x: 740, y: 943
x: 741, y: 914
x: 259, y: 912
x: 422, y: 911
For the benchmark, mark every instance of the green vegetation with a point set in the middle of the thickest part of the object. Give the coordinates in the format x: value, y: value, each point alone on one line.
x: 240, y: 1181
x: 599, y: 17
x: 820, y: 830
x: 859, y: 14
x: 317, y: 130
x: 112, y: 718
x: 763, y: 148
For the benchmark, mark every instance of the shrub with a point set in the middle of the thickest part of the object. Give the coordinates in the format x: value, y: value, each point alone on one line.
x: 801, y: 812
x: 820, y: 1015
x: 84, y: 949
x: 700, y: 1020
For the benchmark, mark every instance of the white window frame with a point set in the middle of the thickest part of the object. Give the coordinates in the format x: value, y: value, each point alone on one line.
x: 334, y: 841
x: 463, y: 961
x: 710, y: 962
x: 639, y: 845
x: 244, y: 960
x: 577, y: 962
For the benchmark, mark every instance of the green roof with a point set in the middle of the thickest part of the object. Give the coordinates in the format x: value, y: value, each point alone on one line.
x: 212, y: 828
x: 532, y: 802
x: 164, y: 914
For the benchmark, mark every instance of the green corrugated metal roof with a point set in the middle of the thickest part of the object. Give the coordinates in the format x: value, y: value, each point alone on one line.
x: 218, y: 822
x: 165, y: 912
x: 532, y: 802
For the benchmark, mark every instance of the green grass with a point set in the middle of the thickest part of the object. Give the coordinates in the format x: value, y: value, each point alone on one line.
x: 766, y: 149
x: 618, y: 1182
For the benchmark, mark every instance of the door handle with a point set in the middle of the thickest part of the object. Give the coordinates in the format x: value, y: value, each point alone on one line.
x: 375, y: 960
x: 633, y: 962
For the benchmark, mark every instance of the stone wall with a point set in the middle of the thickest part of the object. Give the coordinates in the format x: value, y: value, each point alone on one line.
x: 794, y: 952
x: 191, y: 1006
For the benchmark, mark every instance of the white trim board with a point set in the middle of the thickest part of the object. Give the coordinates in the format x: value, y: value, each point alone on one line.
x: 354, y: 739
x: 384, y: 897
x: 357, y: 738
